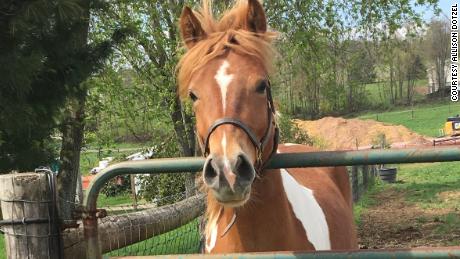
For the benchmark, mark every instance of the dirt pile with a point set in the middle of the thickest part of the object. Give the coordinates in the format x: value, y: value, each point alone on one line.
x: 338, y: 133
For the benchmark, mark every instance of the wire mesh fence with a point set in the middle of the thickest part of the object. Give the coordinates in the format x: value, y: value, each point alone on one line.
x: 136, y: 226
x: 142, y: 222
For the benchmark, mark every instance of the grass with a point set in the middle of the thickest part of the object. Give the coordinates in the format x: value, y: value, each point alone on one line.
x: 366, y: 201
x: 374, y: 92
x: 434, y: 186
x: 2, y: 247
x: 103, y: 200
x: 426, y: 119
x: 184, y: 240
x: 89, y: 160
x: 430, y: 185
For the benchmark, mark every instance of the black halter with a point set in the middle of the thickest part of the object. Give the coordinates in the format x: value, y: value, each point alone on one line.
x: 258, y: 144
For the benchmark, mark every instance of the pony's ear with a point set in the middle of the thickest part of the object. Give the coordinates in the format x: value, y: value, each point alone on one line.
x: 256, y: 20
x: 190, y: 28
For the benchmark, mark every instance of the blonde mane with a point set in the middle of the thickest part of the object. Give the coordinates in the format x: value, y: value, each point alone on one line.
x: 221, y: 35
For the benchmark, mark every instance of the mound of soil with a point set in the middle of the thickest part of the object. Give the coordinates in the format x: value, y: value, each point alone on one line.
x: 341, y: 134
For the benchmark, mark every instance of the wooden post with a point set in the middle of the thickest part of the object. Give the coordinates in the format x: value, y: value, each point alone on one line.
x: 365, y: 177
x: 133, y: 190
x: 27, y: 201
x: 354, y: 183
x: 372, y: 174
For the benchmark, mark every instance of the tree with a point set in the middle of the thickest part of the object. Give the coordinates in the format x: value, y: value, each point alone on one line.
x: 29, y: 98
x: 153, y: 53
x: 319, y: 63
x: 438, y: 49
x: 45, y: 59
x: 86, y: 59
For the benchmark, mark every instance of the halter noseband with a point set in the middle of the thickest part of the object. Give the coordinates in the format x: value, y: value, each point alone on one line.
x: 258, y: 144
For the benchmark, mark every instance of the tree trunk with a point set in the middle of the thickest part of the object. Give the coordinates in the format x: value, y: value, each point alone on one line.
x: 184, y: 134
x: 72, y: 138
x: 73, y: 129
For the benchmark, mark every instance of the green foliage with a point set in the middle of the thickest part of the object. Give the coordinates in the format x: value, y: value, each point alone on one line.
x: 44, y: 59
x: 290, y: 132
x: 117, y: 186
x: 164, y: 188
x: 328, y: 56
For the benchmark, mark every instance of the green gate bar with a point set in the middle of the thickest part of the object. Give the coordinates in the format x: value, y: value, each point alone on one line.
x: 286, y: 160
x: 428, y: 252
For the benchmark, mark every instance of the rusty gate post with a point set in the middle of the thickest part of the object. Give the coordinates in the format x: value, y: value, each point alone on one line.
x: 93, y: 248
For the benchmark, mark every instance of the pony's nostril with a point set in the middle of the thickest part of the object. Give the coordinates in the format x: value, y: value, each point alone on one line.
x: 210, y: 173
x: 244, y: 168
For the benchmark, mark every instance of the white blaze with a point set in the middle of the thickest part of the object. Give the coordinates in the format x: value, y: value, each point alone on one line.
x: 223, y: 80
x: 224, y: 147
x: 308, y: 211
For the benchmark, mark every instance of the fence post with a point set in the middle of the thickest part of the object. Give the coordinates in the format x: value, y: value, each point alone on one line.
x: 372, y: 174
x: 30, y: 220
x: 365, y: 177
x: 355, y: 183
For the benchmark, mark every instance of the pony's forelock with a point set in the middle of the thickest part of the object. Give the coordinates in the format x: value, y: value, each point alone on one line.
x: 226, y: 33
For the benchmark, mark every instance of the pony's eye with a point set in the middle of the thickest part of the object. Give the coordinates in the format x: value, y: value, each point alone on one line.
x: 261, y: 87
x: 192, y: 96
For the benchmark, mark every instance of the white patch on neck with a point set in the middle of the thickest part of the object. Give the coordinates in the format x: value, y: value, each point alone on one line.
x: 308, y: 211
x: 211, y: 241
x: 223, y: 79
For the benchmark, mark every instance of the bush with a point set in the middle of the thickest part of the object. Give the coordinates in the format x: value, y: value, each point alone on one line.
x: 116, y: 186
x: 164, y: 188
x: 291, y: 133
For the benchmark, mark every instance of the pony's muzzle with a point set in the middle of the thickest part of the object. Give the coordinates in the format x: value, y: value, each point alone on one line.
x: 229, y: 179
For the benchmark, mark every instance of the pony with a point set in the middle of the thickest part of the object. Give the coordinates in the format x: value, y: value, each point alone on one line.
x: 225, y: 73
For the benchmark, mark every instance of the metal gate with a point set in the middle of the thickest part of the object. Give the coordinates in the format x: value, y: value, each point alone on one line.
x: 286, y: 160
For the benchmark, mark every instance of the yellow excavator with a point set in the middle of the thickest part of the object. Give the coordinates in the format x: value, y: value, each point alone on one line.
x: 452, y: 126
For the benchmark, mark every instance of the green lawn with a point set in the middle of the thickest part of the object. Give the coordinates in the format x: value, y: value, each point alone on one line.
x: 184, y: 240
x: 431, y: 185
x: 420, y: 209
x: 426, y: 119
x: 2, y: 247
x: 89, y: 160
x: 103, y: 200
x: 375, y: 92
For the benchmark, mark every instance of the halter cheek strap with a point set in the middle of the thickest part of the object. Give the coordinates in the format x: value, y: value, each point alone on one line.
x: 258, y: 144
